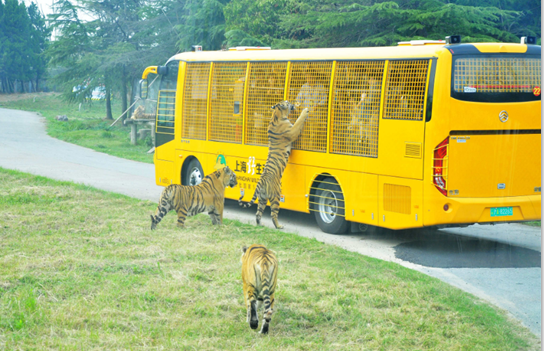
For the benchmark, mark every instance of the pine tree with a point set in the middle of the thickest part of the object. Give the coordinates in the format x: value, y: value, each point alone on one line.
x: 201, y: 23
x: 16, y: 46
x: 39, y: 38
x: 328, y: 23
x: 254, y: 22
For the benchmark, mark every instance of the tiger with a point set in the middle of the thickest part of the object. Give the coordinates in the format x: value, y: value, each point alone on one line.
x: 139, y: 113
x: 187, y: 200
x: 281, y: 135
x: 259, y: 277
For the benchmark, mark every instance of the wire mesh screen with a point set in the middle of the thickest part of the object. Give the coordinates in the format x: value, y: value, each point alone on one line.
x: 405, y: 89
x: 227, y: 101
x: 195, y: 100
x: 496, y: 75
x: 266, y: 88
x: 309, y: 84
x: 356, y: 107
x: 165, y: 110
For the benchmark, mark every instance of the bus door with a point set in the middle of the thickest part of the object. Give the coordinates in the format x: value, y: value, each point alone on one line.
x: 400, y: 144
x: 165, y: 118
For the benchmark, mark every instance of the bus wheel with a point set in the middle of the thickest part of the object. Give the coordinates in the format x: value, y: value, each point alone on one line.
x: 329, y: 207
x: 193, y: 173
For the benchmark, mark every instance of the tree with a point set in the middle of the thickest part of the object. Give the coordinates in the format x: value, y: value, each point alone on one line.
x: 335, y: 23
x: 23, y: 38
x: 201, y: 23
x: 112, y: 48
x: 39, y: 36
x: 254, y: 22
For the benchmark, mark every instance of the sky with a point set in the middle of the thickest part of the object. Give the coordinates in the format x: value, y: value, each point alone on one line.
x: 43, y: 5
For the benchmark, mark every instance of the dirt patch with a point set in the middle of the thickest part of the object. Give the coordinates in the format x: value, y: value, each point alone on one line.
x: 20, y: 96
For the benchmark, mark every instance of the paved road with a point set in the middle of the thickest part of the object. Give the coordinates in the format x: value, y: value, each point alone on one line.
x: 501, y: 264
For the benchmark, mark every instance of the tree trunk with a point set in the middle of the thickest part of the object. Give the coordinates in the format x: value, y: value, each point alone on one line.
x: 131, y: 101
x: 124, y: 93
x: 108, y: 102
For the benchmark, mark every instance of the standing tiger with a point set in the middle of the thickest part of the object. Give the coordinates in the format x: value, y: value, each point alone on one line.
x: 281, y: 135
x: 187, y: 200
x: 259, y: 276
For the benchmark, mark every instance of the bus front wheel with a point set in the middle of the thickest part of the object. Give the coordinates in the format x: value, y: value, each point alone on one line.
x: 193, y: 173
x: 329, y: 207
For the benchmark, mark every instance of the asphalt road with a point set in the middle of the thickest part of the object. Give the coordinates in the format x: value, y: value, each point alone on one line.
x: 500, y: 264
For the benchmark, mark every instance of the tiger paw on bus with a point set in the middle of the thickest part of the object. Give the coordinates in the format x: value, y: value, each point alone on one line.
x: 426, y: 133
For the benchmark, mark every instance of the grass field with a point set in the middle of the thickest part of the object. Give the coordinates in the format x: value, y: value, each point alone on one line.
x: 81, y: 270
x: 86, y: 126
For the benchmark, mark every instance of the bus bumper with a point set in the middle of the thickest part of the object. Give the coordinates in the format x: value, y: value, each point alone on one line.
x: 485, y: 210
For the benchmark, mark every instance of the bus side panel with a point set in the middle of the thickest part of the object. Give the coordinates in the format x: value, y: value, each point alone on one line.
x: 359, y: 190
x: 400, y: 203
x: 292, y: 182
x: 164, y: 172
x: 400, y: 148
x: 362, y: 198
x: 248, y: 172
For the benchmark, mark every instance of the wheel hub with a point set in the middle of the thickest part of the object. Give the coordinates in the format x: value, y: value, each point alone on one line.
x: 195, y: 177
x: 328, y: 206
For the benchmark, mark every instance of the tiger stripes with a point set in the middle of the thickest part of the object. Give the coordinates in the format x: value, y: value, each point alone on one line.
x: 259, y: 277
x: 281, y: 134
x: 186, y: 200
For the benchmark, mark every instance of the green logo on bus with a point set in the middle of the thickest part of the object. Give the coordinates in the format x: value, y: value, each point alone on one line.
x: 220, y: 162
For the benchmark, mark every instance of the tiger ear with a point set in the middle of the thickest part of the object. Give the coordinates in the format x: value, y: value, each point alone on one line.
x: 273, y: 107
x: 244, y: 249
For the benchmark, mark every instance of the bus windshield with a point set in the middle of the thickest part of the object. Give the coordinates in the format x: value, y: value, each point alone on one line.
x: 496, y: 78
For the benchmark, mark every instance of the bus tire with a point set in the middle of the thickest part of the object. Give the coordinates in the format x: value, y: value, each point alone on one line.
x: 193, y: 173
x: 329, y: 207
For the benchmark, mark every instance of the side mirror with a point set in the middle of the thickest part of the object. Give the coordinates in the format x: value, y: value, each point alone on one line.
x: 162, y: 70
x: 143, y: 88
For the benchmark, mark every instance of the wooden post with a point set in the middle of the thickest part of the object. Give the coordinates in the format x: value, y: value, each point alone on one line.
x: 133, y: 138
x: 152, y: 131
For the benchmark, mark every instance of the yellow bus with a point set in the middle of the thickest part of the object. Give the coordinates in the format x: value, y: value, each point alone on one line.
x: 426, y: 133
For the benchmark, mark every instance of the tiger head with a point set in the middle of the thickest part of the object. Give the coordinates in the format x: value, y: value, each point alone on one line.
x: 229, y: 178
x: 282, y: 109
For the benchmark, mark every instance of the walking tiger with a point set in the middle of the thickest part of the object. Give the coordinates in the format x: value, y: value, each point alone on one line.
x: 259, y: 276
x: 187, y: 200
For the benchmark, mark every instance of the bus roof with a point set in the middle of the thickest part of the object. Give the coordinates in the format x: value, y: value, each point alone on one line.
x: 387, y: 52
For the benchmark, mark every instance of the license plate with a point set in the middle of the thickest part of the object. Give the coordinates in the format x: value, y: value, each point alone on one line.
x: 502, y: 211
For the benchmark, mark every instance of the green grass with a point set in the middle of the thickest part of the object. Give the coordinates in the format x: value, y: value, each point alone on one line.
x: 86, y: 127
x: 81, y: 270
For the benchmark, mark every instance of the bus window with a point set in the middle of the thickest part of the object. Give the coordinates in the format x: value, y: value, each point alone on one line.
x: 227, y: 101
x: 496, y: 78
x: 167, y: 99
x: 195, y: 101
x: 405, y: 89
x: 356, y: 107
x: 266, y: 88
x: 309, y: 88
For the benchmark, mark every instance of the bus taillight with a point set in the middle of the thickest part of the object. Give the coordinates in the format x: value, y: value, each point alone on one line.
x: 439, y: 167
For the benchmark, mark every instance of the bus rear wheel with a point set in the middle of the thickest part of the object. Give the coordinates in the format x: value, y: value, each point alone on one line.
x: 329, y: 207
x: 193, y: 173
